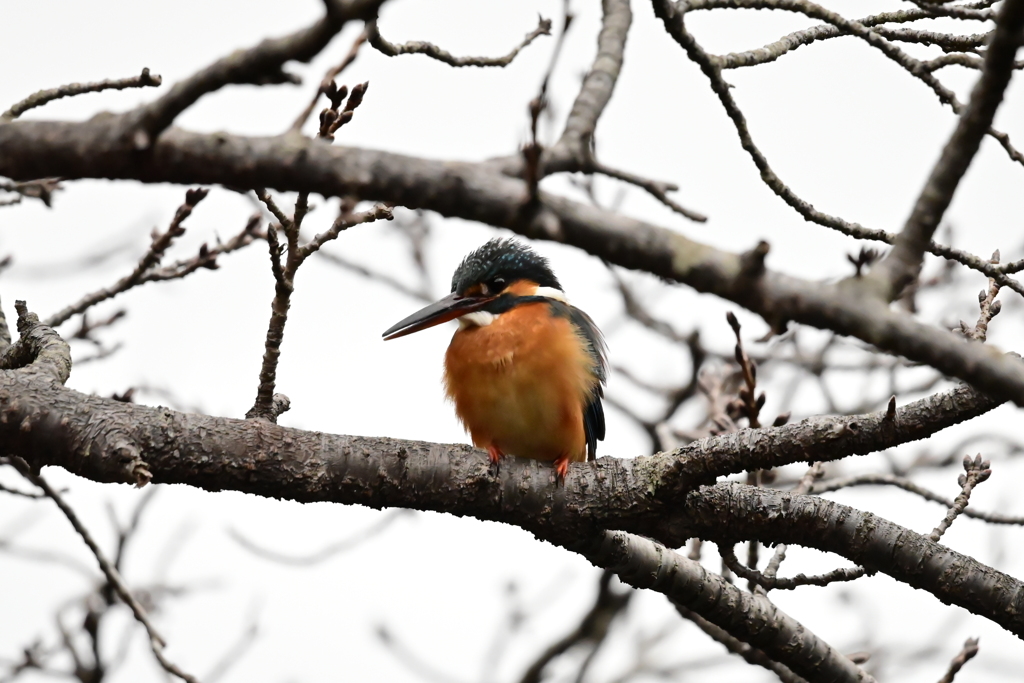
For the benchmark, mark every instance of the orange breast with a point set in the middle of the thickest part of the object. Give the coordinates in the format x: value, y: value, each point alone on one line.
x: 521, y: 383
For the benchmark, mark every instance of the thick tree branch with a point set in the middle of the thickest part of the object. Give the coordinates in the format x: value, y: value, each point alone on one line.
x: 902, y: 264
x: 38, y: 352
x: 102, y: 439
x: 823, y: 438
x: 33, y: 149
x: 259, y: 65
x: 734, y: 512
x: 752, y: 619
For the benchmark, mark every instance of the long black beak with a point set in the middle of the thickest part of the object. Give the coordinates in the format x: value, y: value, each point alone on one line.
x: 448, y: 308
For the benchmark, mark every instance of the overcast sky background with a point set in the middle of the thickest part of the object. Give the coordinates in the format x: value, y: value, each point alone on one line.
x: 847, y: 129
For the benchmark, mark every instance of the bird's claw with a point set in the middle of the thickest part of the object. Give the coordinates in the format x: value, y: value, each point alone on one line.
x: 561, y: 469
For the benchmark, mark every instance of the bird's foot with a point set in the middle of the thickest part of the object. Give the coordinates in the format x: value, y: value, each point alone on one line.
x: 561, y: 469
x: 495, y: 454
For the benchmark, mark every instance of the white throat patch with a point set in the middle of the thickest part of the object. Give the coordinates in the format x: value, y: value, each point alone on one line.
x: 484, y: 318
x: 476, y: 319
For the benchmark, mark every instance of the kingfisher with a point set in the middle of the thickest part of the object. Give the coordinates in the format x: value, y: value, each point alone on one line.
x: 525, y: 370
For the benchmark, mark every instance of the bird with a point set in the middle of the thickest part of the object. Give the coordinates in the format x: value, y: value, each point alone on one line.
x: 525, y: 370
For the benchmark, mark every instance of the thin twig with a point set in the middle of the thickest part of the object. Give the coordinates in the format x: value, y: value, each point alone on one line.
x: 593, y: 627
x: 145, y: 270
x: 903, y: 263
x: 38, y: 99
x: 324, y: 553
x: 812, y: 474
x: 260, y: 64
x: 156, y: 641
x: 976, y: 471
x: 965, y: 655
x: 342, y: 223
x: 911, y: 487
x: 773, y: 583
x: 419, y: 47
x: 713, y: 71
x: 748, y: 652
x: 328, y: 78
x: 269, y: 405
x: 41, y: 189
x: 657, y: 189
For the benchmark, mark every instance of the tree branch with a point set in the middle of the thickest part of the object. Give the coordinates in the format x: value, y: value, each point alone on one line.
x: 598, y: 84
x: 157, y: 643
x: 38, y: 99
x: 734, y: 512
x: 434, y: 52
x: 101, y: 439
x: 908, y: 485
x: 39, y: 351
x: 902, y: 264
x: 750, y: 654
x: 673, y: 19
x: 259, y: 65
x: 36, y: 149
x: 644, y: 563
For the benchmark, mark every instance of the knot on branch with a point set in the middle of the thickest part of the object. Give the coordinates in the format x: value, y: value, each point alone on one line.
x: 752, y: 261
x: 135, y: 469
x: 39, y: 350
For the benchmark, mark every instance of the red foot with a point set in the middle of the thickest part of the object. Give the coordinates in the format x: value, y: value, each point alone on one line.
x: 495, y: 454
x: 561, y: 469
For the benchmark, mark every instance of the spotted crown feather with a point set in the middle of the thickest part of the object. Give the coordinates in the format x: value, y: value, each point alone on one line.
x: 507, y: 258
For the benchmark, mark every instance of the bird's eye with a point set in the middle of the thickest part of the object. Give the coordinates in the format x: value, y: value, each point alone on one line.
x: 498, y: 284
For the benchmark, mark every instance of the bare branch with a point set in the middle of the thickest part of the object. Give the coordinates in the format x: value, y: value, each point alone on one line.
x: 269, y: 405
x: 903, y: 263
x: 143, y: 80
x: 976, y: 471
x: 773, y: 583
x: 419, y: 47
x: 260, y: 65
x: 38, y: 351
x: 42, y: 189
x: 965, y: 655
x: 161, y: 242
x: 674, y: 23
x: 599, y: 83
x: 328, y: 78
x: 324, y: 553
x: 593, y: 627
x: 908, y: 485
x: 643, y: 563
x: 641, y: 495
x: 478, y: 192
x: 344, y: 222
x: 658, y: 189
x: 157, y: 643
x: 806, y: 483
x: 749, y: 653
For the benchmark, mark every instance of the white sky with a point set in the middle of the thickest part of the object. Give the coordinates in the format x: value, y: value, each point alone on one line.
x: 845, y: 128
